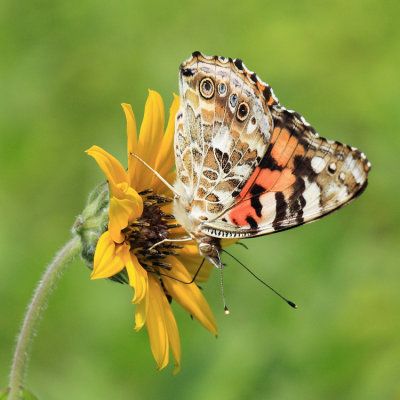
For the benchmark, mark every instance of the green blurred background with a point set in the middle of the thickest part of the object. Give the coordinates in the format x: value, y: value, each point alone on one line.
x: 65, y: 68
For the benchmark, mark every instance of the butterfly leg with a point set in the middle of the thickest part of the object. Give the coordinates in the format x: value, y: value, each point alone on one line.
x: 185, y: 239
x: 211, y: 248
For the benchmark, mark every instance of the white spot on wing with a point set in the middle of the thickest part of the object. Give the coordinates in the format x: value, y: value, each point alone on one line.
x: 317, y: 164
x: 223, y: 140
x: 251, y: 127
x: 332, y: 167
x: 311, y: 196
x: 358, y: 173
x: 268, y: 203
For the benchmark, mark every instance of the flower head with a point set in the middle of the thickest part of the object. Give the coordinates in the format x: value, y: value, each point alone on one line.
x: 139, y: 217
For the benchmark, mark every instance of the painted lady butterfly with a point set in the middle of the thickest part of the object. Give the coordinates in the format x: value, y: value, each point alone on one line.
x: 245, y: 165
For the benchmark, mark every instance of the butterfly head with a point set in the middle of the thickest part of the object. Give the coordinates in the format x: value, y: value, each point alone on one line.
x: 210, y: 248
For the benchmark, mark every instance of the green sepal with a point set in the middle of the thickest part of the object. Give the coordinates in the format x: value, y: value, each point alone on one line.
x: 92, y: 223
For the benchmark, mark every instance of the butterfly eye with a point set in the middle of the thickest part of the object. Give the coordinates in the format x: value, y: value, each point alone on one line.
x: 233, y: 100
x: 207, y: 88
x: 242, y: 112
x: 222, y: 89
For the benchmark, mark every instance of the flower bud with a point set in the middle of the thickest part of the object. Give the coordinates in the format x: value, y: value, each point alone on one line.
x: 93, y: 221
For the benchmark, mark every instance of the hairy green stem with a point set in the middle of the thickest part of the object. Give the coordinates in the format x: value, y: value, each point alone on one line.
x: 35, y: 310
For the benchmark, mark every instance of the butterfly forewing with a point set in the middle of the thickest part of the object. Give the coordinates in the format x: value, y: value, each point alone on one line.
x: 228, y: 124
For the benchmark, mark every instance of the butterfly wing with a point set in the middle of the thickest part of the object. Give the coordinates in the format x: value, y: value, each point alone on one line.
x: 247, y: 166
x: 223, y: 129
x: 301, y: 178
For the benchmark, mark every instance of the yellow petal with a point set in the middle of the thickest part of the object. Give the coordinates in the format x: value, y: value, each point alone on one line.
x: 130, y: 128
x: 122, y: 211
x: 152, y: 128
x: 156, y: 324
x: 165, y: 159
x: 150, y: 138
x: 132, y: 141
x: 141, y: 312
x: 189, y: 296
x: 111, y: 167
x: 107, y: 258
x: 137, y: 276
x: 173, y: 335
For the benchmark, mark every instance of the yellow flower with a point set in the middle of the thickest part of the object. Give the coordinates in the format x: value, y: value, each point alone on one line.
x: 140, y: 216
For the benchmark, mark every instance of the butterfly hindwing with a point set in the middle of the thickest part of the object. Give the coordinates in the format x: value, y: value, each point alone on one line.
x: 300, y: 178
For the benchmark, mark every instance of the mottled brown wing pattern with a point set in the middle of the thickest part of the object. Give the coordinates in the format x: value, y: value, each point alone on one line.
x: 219, y: 139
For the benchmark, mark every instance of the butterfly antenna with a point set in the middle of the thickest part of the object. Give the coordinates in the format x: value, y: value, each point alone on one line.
x: 156, y: 174
x: 216, y: 261
x: 226, y: 309
x: 291, y: 304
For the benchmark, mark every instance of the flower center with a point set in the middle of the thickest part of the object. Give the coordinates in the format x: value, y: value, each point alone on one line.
x: 151, y: 228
